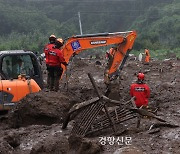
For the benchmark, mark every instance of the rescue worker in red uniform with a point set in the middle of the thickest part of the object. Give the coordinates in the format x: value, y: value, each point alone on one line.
x: 54, y: 59
x: 141, y: 91
x: 48, y: 47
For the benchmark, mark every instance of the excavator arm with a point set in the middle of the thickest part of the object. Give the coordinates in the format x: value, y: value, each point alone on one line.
x: 124, y: 41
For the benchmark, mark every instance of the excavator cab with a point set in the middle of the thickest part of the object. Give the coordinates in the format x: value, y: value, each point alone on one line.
x: 20, y: 75
x: 17, y: 62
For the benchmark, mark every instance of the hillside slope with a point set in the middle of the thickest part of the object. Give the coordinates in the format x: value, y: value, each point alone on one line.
x: 26, y: 24
x: 159, y: 27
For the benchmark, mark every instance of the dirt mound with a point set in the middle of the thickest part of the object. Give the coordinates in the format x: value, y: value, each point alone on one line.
x: 44, y: 108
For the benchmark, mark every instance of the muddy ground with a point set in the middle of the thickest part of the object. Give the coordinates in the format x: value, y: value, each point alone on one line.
x: 34, y: 125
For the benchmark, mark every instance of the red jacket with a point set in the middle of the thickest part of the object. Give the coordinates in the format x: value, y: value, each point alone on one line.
x: 141, y: 93
x: 48, y: 47
x: 54, y: 57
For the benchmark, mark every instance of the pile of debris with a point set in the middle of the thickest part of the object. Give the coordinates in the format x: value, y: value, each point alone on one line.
x: 35, y: 125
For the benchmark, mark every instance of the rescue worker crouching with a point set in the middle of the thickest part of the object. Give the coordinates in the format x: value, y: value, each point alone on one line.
x: 48, y: 47
x: 54, y: 59
x: 140, y: 91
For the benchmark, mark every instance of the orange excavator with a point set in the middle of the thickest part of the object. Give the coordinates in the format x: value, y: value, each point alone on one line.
x: 124, y: 41
x: 20, y: 72
x: 20, y: 75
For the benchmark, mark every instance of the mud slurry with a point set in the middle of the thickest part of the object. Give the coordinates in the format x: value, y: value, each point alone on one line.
x: 34, y: 125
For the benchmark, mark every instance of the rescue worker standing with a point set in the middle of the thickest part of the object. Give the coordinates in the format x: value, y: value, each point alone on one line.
x: 110, y: 54
x: 48, y: 47
x: 140, y: 91
x: 147, y: 55
x: 54, y: 59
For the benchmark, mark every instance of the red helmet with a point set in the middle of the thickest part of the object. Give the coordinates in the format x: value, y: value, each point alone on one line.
x: 140, y: 76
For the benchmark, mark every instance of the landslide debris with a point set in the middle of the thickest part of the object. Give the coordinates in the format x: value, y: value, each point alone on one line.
x: 34, y: 125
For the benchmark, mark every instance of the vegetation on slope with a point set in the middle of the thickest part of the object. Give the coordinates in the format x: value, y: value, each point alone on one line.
x: 26, y: 24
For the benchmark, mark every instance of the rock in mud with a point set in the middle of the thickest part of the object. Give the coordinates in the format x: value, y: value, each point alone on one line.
x: 57, y: 144
x: 128, y: 150
x: 83, y: 146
